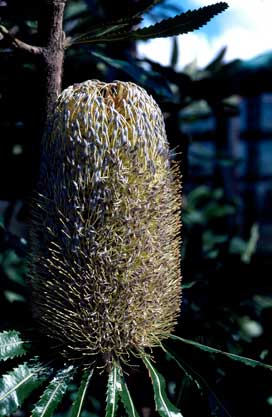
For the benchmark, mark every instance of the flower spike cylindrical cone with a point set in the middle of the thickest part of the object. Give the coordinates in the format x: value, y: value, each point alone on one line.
x: 104, y: 235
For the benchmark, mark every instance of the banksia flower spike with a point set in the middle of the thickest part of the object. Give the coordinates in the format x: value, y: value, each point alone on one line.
x: 105, y: 230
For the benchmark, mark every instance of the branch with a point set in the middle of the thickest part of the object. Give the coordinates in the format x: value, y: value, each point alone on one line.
x: 50, y: 53
x: 18, y: 44
x: 51, y: 39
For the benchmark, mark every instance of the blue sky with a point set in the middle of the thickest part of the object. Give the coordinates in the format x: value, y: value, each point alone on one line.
x: 245, y: 28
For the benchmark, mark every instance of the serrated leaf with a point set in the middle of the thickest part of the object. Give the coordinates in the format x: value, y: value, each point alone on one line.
x: 163, y: 405
x: 113, y: 389
x: 241, y: 359
x: 16, y: 386
x: 11, y: 345
x: 78, y: 403
x: 178, y: 25
x: 125, y: 396
x: 53, y: 394
x: 97, y: 31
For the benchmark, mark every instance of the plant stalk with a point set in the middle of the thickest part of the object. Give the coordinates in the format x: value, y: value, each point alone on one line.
x: 51, y: 39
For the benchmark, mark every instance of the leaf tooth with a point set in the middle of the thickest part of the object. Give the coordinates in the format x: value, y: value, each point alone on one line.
x: 163, y: 405
x: 54, y: 393
x: 78, y: 403
x: 112, y: 396
x: 126, y: 397
x: 17, y: 385
x: 11, y: 345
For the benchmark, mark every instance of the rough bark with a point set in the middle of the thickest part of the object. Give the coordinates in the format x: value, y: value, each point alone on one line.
x: 52, y: 39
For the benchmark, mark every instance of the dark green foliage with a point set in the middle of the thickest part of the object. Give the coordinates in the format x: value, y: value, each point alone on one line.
x: 126, y: 397
x: 164, y: 407
x: 113, y: 389
x: 102, y: 30
x: 183, y: 23
x: 81, y: 394
x: 16, y: 386
x: 180, y: 24
x: 175, y: 52
x: 11, y: 345
x: 209, y: 349
x: 117, y: 390
x: 220, y: 80
x: 53, y: 394
x: 195, y: 379
x: 149, y: 79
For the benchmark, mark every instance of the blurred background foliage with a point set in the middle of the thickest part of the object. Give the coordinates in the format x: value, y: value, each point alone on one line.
x: 219, y: 124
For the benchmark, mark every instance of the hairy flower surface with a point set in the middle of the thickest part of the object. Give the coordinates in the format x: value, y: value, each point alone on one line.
x: 105, y: 263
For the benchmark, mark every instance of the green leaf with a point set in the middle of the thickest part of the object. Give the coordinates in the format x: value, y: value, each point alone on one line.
x: 92, y: 32
x: 16, y: 386
x: 164, y: 407
x: 251, y: 244
x: 113, y: 389
x: 125, y: 395
x: 78, y: 403
x: 175, y: 53
x: 217, y: 62
x: 96, y: 31
x: 180, y: 24
x: 242, y: 359
x: 12, y: 296
x: 11, y: 345
x: 117, y: 388
x: 53, y: 394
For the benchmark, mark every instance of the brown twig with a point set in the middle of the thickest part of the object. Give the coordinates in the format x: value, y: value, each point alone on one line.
x: 18, y: 44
